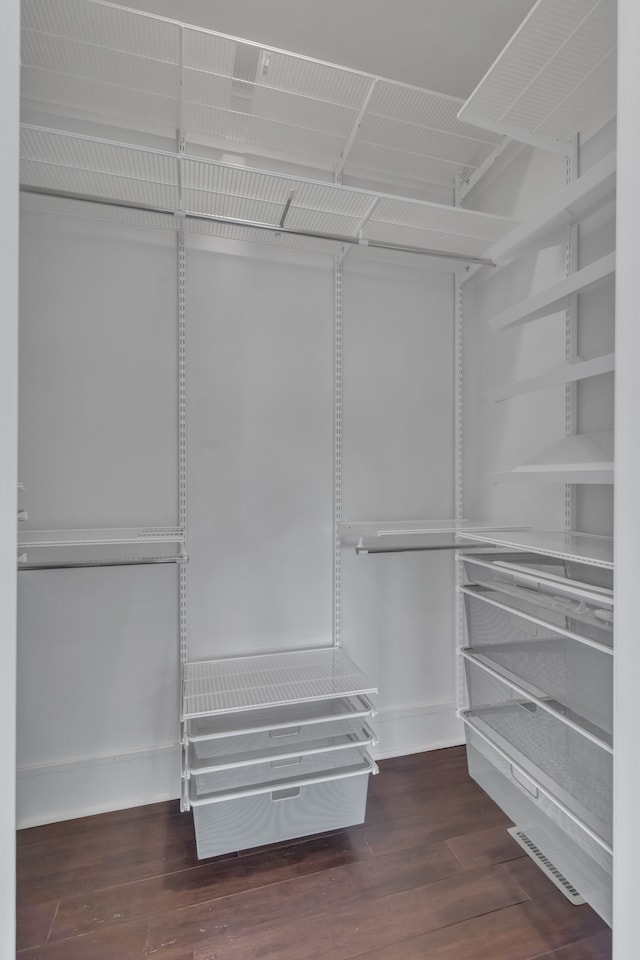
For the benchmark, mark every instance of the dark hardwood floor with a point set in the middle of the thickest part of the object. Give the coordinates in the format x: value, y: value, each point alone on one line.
x: 431, y: 875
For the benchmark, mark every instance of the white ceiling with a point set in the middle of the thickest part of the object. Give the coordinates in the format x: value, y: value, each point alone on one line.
x: 443, y: 45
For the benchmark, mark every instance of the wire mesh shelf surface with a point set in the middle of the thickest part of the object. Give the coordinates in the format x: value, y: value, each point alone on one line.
x: 565, y: 545
x: 92, y: 58
x: 248, y: 683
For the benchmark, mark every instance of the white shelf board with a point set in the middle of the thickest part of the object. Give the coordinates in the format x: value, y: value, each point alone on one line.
x: 244, y: 198
x: 551, y: 222
x: 90, y: 59
x: 271, y: 680
x: 556, y: 297
x: 106, y: 537
x: 556, y: 76
x: 566, y: 373
x: 567, y: 545
x: 578, y: 458
x: 354, y: 529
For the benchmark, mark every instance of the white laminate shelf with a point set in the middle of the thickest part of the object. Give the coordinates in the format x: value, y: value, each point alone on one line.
x: 571, y: 546
x: 578, y: 458
x: 556, y: 297
x: 552, y: 219
x: 569, y: 372
x: 555, y: 78
x: 272, y: 680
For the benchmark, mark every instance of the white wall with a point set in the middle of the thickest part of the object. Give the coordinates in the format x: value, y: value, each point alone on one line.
x: 98, y: 650
x: 9, y: 47
x: 627, y: 504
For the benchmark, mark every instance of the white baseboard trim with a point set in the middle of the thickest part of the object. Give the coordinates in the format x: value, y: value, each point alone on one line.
x: 417, y: 728
x: 50, y: 792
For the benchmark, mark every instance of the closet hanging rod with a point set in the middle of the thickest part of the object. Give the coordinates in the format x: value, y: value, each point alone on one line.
x: 363, y: 548
x: 272, y: 228
x: 79, y: 564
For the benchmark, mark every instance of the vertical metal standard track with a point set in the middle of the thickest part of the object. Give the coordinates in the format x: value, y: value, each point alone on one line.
x: 571, y: 339
x: 182, y: 423
x: 337, y: 453
x: 458, y: 470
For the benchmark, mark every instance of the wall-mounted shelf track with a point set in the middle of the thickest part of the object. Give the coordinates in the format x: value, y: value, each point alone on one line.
x: 557, y: 297
x: 578, y: 458
x: 555, y: 77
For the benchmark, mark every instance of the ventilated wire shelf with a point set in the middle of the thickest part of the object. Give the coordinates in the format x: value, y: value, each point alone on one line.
x: 574, y: 547
x: 573, y: 768
x: 100, y: 61
x: 105, y: 537
x: 240, y: 198
x: 555, y: 77
x: 249, y: 683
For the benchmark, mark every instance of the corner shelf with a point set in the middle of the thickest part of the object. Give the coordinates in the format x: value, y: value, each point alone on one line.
x: 567, y: 373
x: 556, y: 297
x: 550, y: 223
x: 556, y: 75
x: 578, y: 458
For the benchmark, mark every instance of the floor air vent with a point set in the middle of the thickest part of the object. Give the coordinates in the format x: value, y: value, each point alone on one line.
x: 546, y: 865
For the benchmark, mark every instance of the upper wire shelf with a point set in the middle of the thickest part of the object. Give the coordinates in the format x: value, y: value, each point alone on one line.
x: 105, y: 537
x: 555, y: 78
x: 88, y: 59
x: 161, y: 182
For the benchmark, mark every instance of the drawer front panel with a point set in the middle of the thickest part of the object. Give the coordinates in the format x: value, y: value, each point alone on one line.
x: 280, y: 815
x: 580, y: 859
x: 573, y: 768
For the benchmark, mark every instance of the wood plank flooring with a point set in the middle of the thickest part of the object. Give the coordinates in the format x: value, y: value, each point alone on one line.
x: 431, y: 875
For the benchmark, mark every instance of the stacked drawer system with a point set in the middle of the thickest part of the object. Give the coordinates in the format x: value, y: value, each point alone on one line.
x: 275, y: 747
x: 539, y: 671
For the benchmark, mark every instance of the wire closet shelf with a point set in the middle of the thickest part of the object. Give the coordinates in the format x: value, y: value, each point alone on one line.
x: 246, y: 119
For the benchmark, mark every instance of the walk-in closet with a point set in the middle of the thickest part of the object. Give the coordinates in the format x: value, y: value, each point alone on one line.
x: 317, y: 365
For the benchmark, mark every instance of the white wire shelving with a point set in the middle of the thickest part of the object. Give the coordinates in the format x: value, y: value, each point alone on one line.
x: 240, y: 198
x: 96, y: 60
x: 272, y: 680
x: 401, y: 536
x: 564, y: 545
x: 555, y: 78
x: 125, y: 546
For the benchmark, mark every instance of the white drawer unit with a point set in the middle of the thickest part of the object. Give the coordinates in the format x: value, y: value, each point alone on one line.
x: 538, y: 663
x: 275, y: 747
